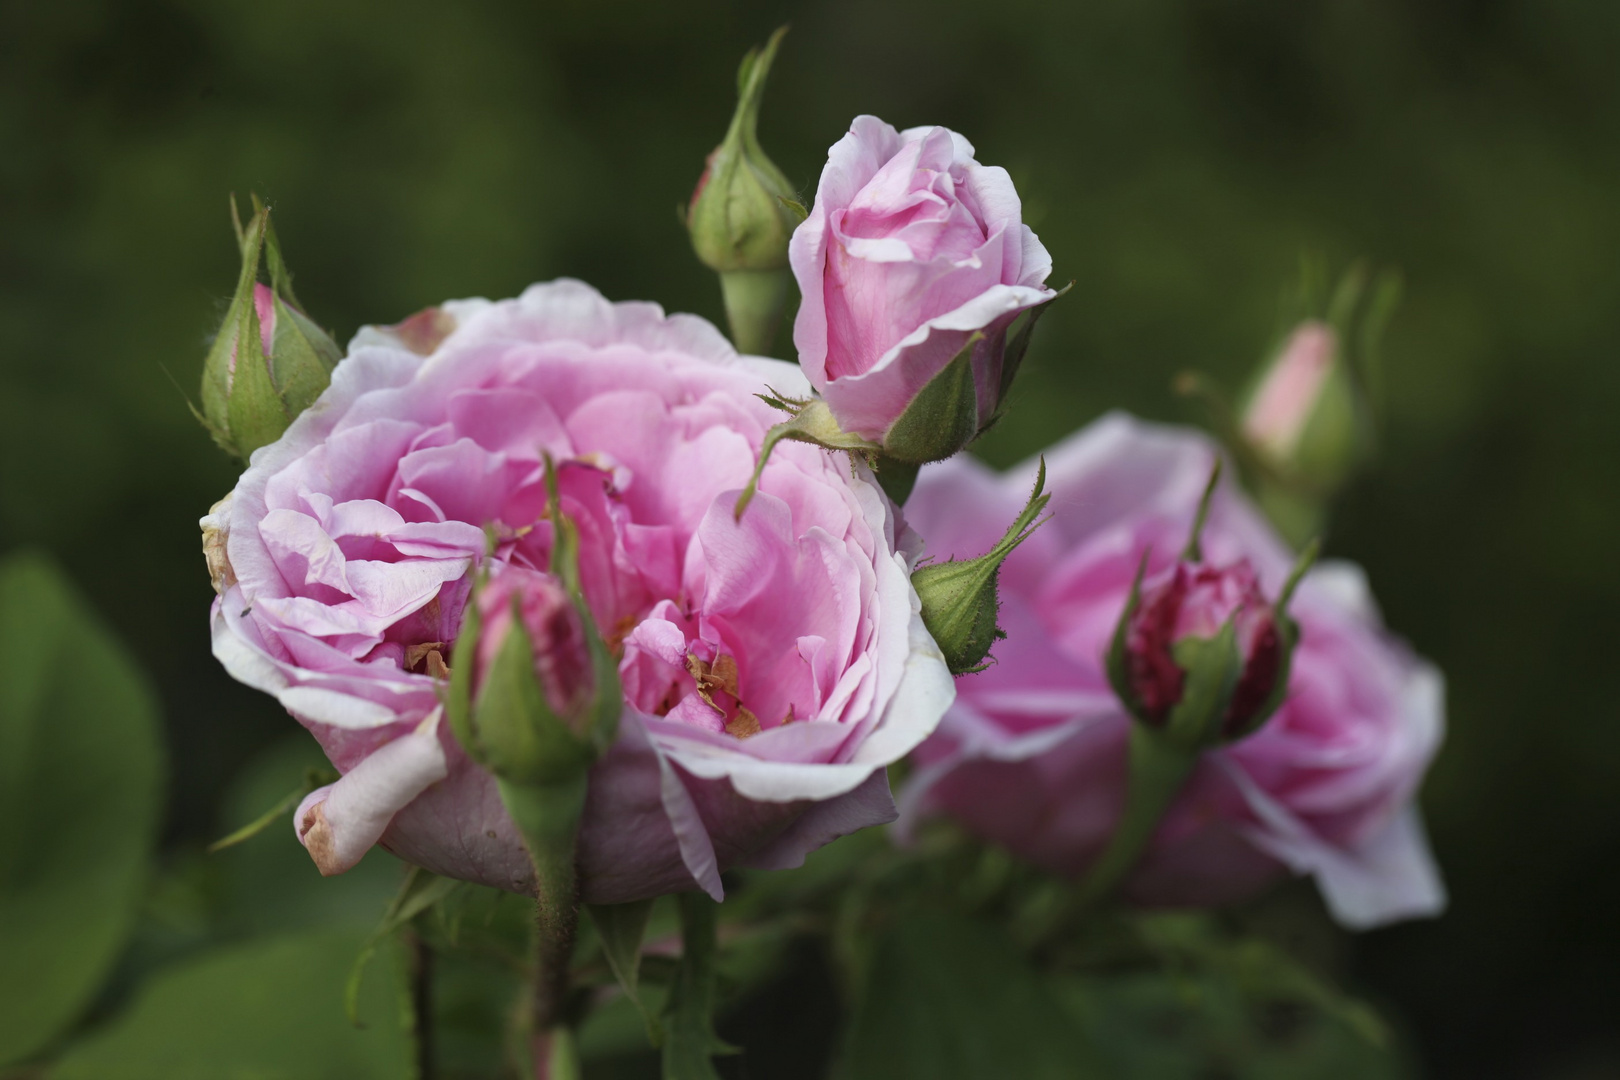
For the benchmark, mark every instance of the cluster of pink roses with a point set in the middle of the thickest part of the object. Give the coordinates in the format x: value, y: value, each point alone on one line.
x: 773, y: 665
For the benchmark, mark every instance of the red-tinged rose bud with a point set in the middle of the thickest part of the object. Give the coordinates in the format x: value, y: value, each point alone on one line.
x: 1201, y: 654
x: 1196, y: 601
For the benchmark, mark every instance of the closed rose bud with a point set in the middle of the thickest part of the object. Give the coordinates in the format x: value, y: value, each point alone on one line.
x: 556, y: 638
x: 1195, y: 602
x: 532, y: 689
x: 914, y: 264
x: 269, y: 361
x: 742, y: 213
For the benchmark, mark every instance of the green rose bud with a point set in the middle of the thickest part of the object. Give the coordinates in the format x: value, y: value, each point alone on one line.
x: 269, y: 361
x: 742, y: 214
x: 959, y: 598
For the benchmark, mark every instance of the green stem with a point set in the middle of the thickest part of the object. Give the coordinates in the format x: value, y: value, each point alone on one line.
x: 420, y: 955
x: 556, y: 1055
x: 1158, y: 769
x: 754, y: 300
x: 897, y: 478
x: 548, y: 816
x: 689, y: 1039
x: 1297, y: 514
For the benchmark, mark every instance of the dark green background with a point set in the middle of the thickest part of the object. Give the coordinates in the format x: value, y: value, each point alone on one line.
x: 1176, y: 158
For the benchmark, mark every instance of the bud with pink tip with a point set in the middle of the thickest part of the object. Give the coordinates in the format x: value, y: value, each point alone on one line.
x: 269, y: 361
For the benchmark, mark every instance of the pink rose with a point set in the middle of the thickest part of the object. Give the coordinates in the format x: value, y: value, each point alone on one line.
x: 772, y: 668
x: 1033, y: 753
x: 912, y: 247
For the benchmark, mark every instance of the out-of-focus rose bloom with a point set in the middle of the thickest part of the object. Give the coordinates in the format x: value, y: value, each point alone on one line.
x: 912, y: 247
x: 771, y: 668
x: 1033, y: 753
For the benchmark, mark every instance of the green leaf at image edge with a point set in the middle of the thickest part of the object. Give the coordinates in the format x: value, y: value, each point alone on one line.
x: 271, y: 1009
x: 80, y: 789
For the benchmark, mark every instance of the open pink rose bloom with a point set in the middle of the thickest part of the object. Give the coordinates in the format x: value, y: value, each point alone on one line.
x: 349, y: 547
x: 1032, y: 755
x: 912, y: 247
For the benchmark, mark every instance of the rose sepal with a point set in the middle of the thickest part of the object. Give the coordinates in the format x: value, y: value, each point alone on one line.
x: 1017, y: 347
x: 811, y: 422
x: 942, y: 418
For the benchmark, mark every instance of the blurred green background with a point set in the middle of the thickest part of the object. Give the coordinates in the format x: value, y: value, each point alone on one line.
x: 1176, y: 158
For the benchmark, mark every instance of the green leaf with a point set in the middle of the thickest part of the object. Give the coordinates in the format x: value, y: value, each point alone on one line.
x: 80, y: 791
x: 1257, y: 967
x: 950, y: 998
x: 1236, y: 1006
x: 521, y: 735
x: 420, y: 891
x: 268, y: 1010
x: 621, y: 928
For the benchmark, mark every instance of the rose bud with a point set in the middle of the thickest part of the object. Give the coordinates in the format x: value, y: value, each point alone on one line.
x: 1035, y: 753
x: 914, y: 263
x: 959, y: 597
x: 269, y: 362
x: 531, y: 689
x: 1209, y: 626
x: 742, y: 213
x: 768, y: 670
x: 1297, y: 387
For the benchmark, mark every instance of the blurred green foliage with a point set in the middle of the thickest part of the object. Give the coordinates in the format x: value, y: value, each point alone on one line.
x: 265, y: 1010
x: 1176, y: 158
x: 81, y: 775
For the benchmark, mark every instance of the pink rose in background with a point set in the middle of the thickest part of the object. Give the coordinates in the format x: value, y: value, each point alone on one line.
x: 772, y: 668
x: 1032, y: 755
x: 912, y: 247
